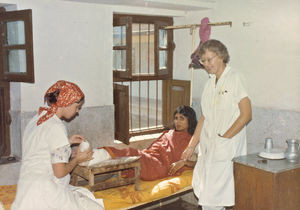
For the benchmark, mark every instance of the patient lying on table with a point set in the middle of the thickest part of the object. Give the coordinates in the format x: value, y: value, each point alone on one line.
x: 163, y: 157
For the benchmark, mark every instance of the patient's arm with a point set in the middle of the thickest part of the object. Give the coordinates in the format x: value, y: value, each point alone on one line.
x: 179, y: 164
x: 190, y: 163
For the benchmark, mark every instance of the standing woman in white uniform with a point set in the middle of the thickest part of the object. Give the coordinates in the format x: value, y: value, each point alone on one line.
x: 44, y: 177
x: 221, y: 129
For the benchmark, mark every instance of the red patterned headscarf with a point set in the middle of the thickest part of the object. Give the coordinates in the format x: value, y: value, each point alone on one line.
x: 69, y: 93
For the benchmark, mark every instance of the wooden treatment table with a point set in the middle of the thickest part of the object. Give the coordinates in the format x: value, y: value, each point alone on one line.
x: 113, y: 167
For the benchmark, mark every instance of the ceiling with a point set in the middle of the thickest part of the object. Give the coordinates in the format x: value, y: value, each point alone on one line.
x: 178, y: 5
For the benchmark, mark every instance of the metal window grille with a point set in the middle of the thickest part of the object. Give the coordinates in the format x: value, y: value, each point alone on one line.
x: 145, y: 105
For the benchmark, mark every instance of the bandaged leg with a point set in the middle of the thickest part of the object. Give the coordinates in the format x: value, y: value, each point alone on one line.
x: 99, y: 156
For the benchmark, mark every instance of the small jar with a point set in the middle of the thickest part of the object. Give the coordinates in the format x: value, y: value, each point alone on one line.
x: 292, y: 153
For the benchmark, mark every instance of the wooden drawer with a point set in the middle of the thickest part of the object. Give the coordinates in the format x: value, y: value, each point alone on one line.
x: 256, y: 189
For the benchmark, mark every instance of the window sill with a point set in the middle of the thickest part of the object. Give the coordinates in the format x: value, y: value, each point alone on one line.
x: 140, y: 138
x: 138, y: 142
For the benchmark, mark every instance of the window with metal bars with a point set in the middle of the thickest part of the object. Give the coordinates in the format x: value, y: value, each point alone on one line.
x: 145, y: 106
x: 142, y: 59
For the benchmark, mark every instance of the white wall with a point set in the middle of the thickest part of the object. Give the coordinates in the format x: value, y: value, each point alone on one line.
x: 72, y: 41
x: 263, y: 43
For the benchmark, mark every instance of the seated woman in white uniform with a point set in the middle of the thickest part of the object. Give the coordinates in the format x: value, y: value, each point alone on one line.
x: 44, y: 177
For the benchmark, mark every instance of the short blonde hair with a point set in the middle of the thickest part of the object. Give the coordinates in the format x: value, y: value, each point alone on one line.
x: 215, y: 46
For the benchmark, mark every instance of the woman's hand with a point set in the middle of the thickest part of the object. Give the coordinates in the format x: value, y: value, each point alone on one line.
x: 176, y: 166
x: 187, y: 153
x: 83, y: 156
x: 76, y: 139
x: 73, y: 152
x: 62, y: 169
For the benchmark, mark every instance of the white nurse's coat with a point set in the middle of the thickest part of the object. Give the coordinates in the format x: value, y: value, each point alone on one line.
x: 38, y: 188
x: 213, y: 181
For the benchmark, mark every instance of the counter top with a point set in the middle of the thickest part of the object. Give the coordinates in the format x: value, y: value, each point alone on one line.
x: 274, y: 166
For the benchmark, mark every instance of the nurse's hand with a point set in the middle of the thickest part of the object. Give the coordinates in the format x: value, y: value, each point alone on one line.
x: 84, y: 156
x: 62, y: 169
x: 76, y: 139
x: 187, y: 153
x: 176, y: 166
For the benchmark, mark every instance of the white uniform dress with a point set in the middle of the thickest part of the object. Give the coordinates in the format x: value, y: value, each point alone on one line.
x: 213, y: 181
x: 38, y: 188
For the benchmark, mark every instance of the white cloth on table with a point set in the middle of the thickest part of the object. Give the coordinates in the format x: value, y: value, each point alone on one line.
x: 38, y: 188
x: 213, y: 208
x: 213, y: 182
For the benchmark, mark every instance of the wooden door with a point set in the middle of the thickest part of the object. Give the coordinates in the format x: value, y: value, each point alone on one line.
x: 175, y: 93
x: 121, y: 102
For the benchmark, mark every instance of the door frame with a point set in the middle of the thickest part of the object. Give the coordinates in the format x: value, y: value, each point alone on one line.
x: 5, y: 119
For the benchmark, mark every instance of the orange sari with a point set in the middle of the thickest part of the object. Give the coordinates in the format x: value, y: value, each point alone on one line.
x: 157, y: 158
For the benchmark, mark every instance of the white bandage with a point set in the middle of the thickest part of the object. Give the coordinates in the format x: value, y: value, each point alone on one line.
x: 84, y: 146
x: 99, y: 155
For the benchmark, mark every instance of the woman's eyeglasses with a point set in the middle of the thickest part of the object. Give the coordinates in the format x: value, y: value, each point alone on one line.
x: 209, y: 60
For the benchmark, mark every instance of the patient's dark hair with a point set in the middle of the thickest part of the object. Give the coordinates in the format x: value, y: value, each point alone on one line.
x: 190, y: 114
x: 51, y: 98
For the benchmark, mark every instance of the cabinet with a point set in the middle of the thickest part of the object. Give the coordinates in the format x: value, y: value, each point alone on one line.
x: 262, y: 184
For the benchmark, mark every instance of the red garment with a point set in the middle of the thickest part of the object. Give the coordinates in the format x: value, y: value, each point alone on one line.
x: 157, y: 158
x: 69, y: 94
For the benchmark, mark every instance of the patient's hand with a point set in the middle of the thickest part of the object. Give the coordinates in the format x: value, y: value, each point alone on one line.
x: 187, y: 153
x: 176, y: 166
